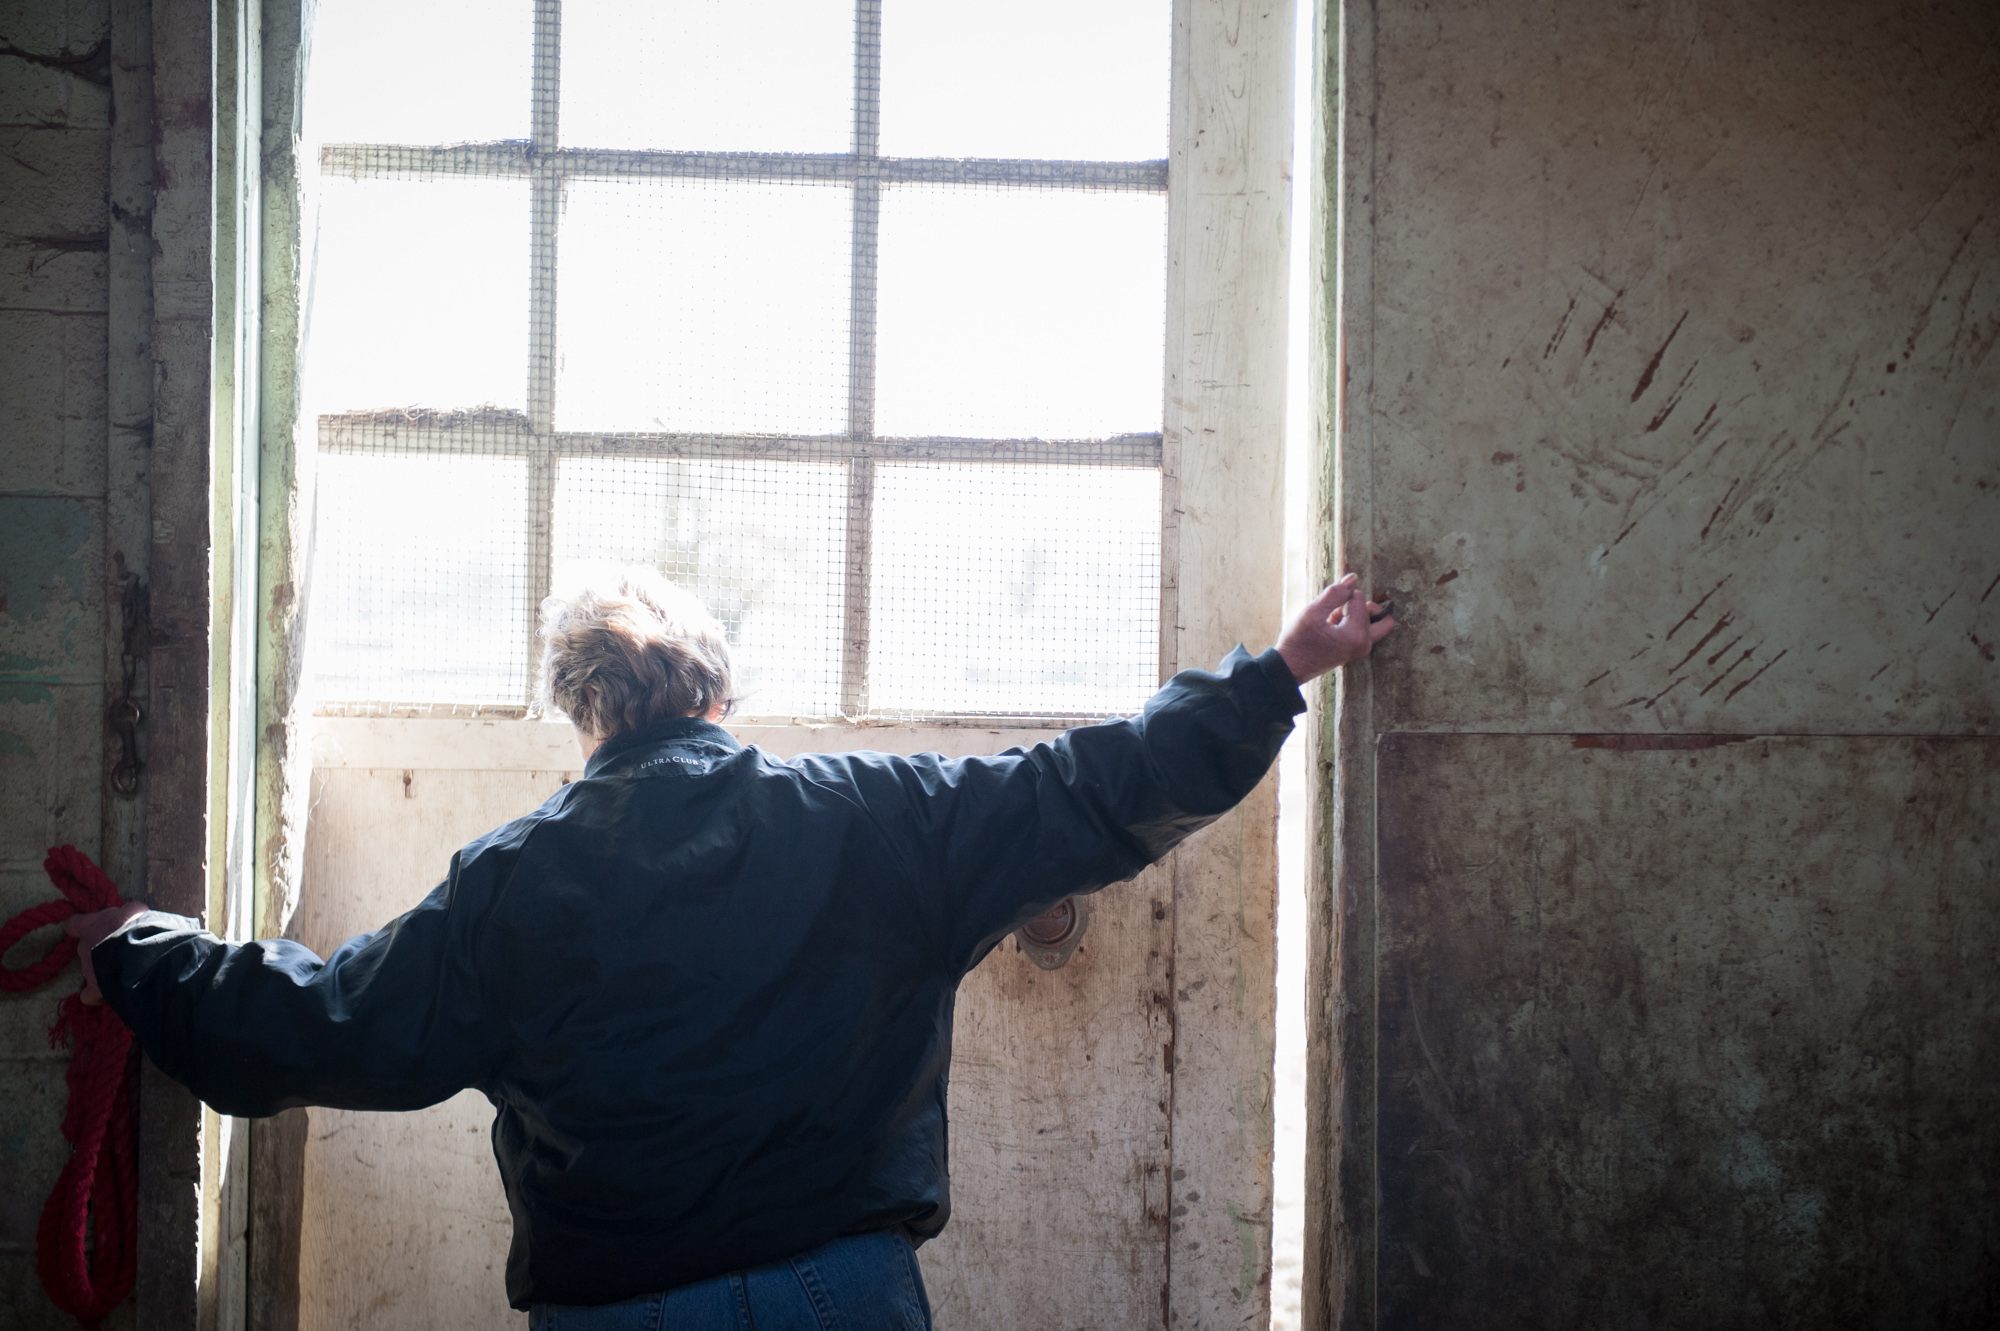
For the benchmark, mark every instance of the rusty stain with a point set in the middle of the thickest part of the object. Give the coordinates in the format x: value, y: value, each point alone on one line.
x: 1451, y: 576
x: 1697, y: 606
x: 1625, y: 743
x: 1609, y: 311
x: 1753, y: 679
x: 1502, y: 459
x: 1653, y: 366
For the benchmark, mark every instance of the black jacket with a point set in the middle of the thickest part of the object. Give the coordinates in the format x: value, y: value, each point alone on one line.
x: 709, y: 993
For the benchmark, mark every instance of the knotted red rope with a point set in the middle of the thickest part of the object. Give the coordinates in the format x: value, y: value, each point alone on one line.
x: 97, y: 1193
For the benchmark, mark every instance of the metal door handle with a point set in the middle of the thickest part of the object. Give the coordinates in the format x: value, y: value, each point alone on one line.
x: 1052, y: 937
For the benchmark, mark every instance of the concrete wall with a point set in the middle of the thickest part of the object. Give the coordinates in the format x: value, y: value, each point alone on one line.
x: 55, y: 149
x: 1673, y: 421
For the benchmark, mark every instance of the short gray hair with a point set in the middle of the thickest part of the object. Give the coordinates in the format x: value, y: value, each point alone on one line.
x: 619, y: 660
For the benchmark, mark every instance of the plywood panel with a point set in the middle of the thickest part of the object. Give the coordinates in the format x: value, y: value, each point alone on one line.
x: 404, y: 1223
x: 1689, y: 1036
x: 1060, y: 1088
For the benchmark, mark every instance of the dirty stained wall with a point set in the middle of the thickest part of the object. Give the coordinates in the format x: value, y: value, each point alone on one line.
x: 1664, y: 963
x: 56, y: 150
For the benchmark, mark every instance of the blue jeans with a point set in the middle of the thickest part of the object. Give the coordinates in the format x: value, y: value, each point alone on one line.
x: 865, y: 1282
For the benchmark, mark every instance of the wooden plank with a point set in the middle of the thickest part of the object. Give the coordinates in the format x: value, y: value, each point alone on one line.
x: 1339, y: 1272
x: 178, y: 727
x: 1223, y: 442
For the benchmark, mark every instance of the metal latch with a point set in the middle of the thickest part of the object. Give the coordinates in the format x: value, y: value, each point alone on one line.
x: 1052, y: 937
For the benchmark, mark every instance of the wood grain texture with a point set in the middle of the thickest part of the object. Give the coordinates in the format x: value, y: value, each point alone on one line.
x: 178, y: 715
x: 1229, y: 190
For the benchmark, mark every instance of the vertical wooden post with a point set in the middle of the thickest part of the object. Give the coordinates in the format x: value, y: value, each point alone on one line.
x: 178, y: 730
x: 1223, y: 459
x: 1339, y: 1268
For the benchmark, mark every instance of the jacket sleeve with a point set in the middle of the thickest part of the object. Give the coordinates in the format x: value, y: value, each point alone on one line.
x: 389, y: 1021
x: 1009, y: 836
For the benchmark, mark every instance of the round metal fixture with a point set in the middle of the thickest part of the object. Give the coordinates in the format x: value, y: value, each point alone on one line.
x: 1051, y: 938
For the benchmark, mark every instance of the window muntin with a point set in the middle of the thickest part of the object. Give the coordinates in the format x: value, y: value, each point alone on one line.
x: 700, y: 319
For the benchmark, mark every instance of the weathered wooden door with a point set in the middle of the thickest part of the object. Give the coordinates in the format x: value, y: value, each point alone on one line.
x: 1111, y: 1119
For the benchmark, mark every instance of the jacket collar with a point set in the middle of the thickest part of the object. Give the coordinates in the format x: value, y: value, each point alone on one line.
x: 675, y: 731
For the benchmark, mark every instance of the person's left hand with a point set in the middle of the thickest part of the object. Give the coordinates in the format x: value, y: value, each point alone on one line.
x: 90, y: 930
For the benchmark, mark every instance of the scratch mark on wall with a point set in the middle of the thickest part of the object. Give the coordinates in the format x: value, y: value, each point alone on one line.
x: 1878, y: 673
x: 1680, y: 390
x: 1697, y: 606
x: 1940, y: 605
x: 1610, y: 311
x: 1753, y: 679
x: 1989, y: 589
x: 1653, y: 365
x: 1729, y: 670
x: 1720, y: 625
x: 1719, y: 652
x: 1718, y: 509
x: 1446, y: 578
x: 1702, y: 426
x: 1664, y: 692
x: 1944, y: 276
x: 1593, y: 679
x: 1562, y: 326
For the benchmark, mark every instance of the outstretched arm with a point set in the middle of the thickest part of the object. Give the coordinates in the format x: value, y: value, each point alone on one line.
x: 1011, y: 834
x: 391, y: 1020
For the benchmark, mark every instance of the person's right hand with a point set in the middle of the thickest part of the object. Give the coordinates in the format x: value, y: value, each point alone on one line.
x: 1332, y: 631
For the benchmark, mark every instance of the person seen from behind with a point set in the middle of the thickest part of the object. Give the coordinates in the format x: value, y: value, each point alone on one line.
x: 709, y: 992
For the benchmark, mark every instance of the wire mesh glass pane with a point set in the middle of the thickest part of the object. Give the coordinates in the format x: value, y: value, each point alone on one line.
x: 419, y: 295
x: 1019, y: 589
x: 761, y: 543
x: 1026, y: 78
x: 444, y: 71
x: 1020, y: 313
x: 703, y: 305
x: 720, y: 75
x: 420, y: 579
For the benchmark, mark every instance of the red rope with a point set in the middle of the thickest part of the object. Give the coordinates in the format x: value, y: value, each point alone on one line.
x: 97, y: 1193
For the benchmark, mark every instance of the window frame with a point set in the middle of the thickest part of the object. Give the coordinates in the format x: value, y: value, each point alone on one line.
x: 548, y: 167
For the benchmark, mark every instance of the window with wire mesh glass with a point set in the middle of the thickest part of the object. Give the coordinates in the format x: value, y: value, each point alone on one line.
x: 847, y: 314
